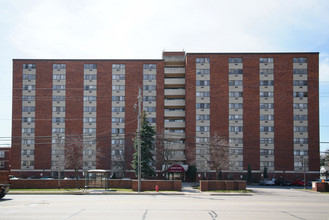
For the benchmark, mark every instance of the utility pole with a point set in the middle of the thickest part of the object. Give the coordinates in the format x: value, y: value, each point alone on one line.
x: 139, y: 138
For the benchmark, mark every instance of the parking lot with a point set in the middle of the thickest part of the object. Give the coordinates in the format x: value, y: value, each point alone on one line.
x: 264, y: 203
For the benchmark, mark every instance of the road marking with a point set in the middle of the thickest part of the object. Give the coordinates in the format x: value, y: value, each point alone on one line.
x: 212, y: 214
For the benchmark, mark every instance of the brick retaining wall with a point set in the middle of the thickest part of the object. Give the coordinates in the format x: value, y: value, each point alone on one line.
x: 207, y: 185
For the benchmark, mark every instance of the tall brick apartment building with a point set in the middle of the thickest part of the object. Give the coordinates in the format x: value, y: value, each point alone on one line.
x: 266, y: 106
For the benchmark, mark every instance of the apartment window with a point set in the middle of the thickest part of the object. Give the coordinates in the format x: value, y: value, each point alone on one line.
x: 118, y: 76
x: 236, y: 151
x: 203, y: 82
x: 300, y: 60
x: 59, y: 87
x: 149, y: 66
x: 28, y: 98
x: 300, y: 128
x: 151, y: 120
x: 235, y: 94
x: 235, y: 60
x: 28, y: 119
x: 118, y: 66
x: 27, y: 163
x: 29, y: 76
x: 89, y: 120
x: 58, y: 109
x: 118, y: 120
x: 235, y: 83
x: 266, y: 94
x: 28, y: 87
x: 300, y: 106
x: 203, y: 105
x: 90, y: 87
x: 89, y: 130
x: 235, y: 140
x: 266, y: 152
x: 59, y: 76
x: 235, y: 117
x: 202, y: 60
x: 2, y: 154
x: 89, y: 98
x: 149, y: 87
x: 117, y: 141
x: 58, y: 120
x: 235, y: 128
x: 149, y: 98
x: 202, y: 128
x: 28, y: 109
x: 118, y: 88
x: 266, y: 60
x: 235, y: 71
x: 300, y: 140
x: 267, y: 164
x: 266, y: 117
x: 27, y: 141
x: 88, y: 152
x: 300, y: 152
x: 300, y: 82
x: 90, y: 66
x: 235, y: 106
x: 2, y: 164
x: 27, y: 152
x: 298, y: 164
x: 27, y: 130
x: 266, y: 129
x: 59, y: 66
x: 266, y: 71
x: 202, y: 71
x: 118, y: 98
x: 266, y: 140
x: 174, y: 131
x: 238, y: 163
x: 117, y: 152
x: 300, y: 117
x: 300, y: 94
x: 29, y: 66
x: 202, y: 117
x: 149, y: 77
x: 299, y: 71
x: 89, y: 109
x: 89, y: 76
x: 266, y: 106
x: 58, y: 98
x: 118, y: 109
x: 174, y: 120
x: 58, y: 130
x: 202, y: 94
x: 202, y: 140
x: 118, y: 130
x: 266, y: 83
x: 149, y: 109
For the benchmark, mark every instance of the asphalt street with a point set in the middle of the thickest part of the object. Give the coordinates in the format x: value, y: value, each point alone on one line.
x: 266, y: 203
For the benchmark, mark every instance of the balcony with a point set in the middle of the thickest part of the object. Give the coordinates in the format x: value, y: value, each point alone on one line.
x: 174, y: 114
x: 174, y: 81
x: 174, y: 71
x: 174, y: 92
x: 174, y: 102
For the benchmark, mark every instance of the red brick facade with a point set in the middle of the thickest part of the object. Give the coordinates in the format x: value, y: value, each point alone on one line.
x: 219, y: 116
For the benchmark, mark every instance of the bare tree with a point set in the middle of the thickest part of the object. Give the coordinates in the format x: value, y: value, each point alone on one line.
x: 75, y: 148
x: 215, y: 154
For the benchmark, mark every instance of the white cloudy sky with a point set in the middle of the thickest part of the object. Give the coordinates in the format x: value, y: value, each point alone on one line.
x: 144, y: 28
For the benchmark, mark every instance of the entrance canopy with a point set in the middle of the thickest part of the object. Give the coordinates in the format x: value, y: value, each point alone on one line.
x: 176, y: 169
